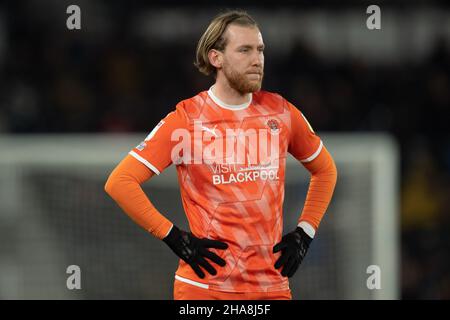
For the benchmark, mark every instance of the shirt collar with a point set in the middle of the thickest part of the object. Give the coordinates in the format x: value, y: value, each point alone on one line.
x: 224, y: 105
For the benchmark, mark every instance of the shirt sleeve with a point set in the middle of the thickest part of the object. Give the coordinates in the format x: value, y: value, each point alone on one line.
x: 304, y: 144
x: 124, y: 186
x: 155, y: 152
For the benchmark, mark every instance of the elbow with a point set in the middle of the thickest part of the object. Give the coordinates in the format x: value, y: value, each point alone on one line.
x: 110, y: 186
x: 327, y: 170
x: 331, y: 171
x: 334, y: 170
x: 118, y: 182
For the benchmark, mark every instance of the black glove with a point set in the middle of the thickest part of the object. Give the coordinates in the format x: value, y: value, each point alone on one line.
x: 293, y: 248
x: 194, y: 250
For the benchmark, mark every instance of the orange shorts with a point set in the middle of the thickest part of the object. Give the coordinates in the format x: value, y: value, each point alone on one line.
x: 185, y: 291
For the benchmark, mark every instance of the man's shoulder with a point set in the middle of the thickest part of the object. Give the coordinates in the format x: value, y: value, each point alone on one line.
x: 269, y: 99
x: 192, y: 105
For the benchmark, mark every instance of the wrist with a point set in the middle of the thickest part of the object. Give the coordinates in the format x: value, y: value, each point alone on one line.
x: 304, y: 236
x: 173, y: 234
x: 168, y: 231
x: 307, y: 228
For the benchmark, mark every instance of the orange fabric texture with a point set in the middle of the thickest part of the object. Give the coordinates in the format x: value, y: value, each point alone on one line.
x: 323, y: 180
x: 185, y: 291
x: 238, y: 203
x: 123, y: 185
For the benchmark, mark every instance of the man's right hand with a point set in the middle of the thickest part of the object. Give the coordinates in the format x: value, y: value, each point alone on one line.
x: 194, y: 250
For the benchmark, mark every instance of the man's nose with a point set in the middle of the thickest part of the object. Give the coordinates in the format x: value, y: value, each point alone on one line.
x: 258, y: 60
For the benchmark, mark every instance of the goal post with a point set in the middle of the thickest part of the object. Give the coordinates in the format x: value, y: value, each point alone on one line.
x: 54, y: 213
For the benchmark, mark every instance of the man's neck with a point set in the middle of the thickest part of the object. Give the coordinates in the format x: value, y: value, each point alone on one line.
x: 229, y: 95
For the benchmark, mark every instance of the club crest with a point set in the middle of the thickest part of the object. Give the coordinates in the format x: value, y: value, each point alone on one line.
x: 273, y: 125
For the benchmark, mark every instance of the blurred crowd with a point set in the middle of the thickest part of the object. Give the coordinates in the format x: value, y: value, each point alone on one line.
x: 53, y: 81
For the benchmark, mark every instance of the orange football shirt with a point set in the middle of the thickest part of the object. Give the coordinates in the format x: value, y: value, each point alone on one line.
x: 231, y: 162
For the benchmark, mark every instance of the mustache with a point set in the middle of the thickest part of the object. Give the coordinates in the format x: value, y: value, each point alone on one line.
x: 259, y: 71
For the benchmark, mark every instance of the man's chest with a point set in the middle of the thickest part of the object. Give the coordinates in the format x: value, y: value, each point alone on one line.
x: 246, y: 139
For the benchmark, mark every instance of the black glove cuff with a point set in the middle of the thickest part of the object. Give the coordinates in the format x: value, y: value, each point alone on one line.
x: 173, y: 235
x: 307, y: 239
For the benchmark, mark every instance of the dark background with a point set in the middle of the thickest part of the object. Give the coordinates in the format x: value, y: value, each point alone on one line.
x: 132, y: 61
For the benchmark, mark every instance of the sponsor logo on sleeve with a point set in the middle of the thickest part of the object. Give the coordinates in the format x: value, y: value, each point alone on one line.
x: 141, y: 146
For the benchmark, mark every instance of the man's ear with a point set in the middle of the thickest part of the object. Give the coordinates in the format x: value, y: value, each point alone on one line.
x: 215, y: 58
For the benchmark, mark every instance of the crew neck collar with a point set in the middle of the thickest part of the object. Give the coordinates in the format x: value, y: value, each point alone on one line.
x: 224, y: 105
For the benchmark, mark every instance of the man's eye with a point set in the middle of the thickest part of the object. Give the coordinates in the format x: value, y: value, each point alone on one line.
x: 243, y: 50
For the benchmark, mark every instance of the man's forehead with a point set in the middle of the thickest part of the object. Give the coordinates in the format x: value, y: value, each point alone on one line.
x: 243, y: 35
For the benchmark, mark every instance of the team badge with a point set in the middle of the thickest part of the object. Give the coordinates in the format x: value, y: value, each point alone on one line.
x: 273, y: 125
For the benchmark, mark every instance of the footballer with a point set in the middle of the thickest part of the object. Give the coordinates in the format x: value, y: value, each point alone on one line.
x: 229, y: 144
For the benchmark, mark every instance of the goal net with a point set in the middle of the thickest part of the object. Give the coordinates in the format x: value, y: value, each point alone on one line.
x: 54, y: 213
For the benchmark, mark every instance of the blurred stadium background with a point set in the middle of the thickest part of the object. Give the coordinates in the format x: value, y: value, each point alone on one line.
x: 72, y: 103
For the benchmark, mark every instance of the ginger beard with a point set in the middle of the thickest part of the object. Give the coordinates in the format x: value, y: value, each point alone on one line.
x: 242, y: 82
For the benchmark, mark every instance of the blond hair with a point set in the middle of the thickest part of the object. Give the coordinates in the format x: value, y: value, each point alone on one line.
x: 213, y: 38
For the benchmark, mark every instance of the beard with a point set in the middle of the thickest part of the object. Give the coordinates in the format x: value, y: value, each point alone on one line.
x: 240, y: 82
